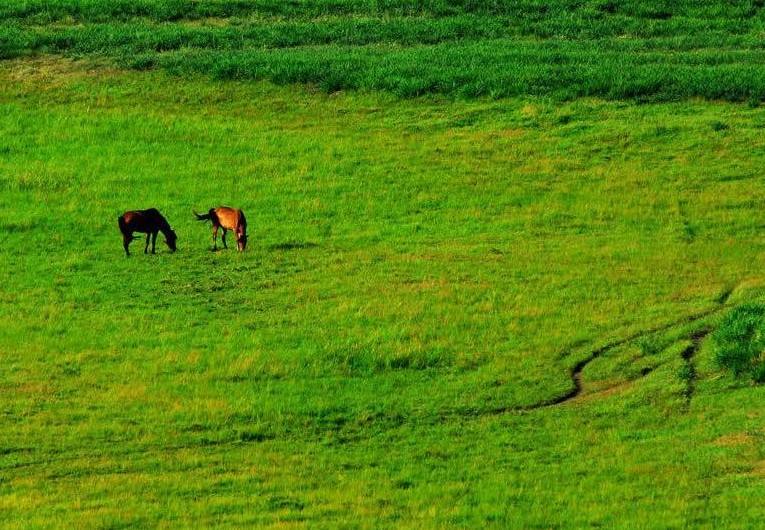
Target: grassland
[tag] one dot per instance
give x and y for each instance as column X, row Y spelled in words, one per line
column 419, row 273
column 489, row 245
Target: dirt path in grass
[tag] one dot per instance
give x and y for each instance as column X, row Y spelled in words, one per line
column 697, row 338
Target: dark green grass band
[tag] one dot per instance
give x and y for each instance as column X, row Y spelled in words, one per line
column 616, row 50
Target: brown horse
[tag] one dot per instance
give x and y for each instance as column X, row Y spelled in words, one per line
column 148, row 222
column 227, row 219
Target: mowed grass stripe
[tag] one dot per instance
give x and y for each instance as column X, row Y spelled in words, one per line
column 562, row 49
column 571, row 12
column 495, row 68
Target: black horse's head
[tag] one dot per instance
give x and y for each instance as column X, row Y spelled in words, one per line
column 170, row 239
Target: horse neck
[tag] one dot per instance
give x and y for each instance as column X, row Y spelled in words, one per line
column 164, row 227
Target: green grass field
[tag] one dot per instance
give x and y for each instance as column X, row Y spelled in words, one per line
column 454, row 311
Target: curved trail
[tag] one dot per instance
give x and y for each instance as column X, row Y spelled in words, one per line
column 696, row 338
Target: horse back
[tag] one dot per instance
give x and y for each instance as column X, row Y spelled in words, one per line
column 230, row 218
column 142, row 221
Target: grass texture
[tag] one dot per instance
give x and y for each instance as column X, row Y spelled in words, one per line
column 421, row 274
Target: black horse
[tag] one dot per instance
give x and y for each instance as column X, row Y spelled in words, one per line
column 148, row 222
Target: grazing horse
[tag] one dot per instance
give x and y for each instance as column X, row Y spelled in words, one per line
column 227, row 219
column 148, row 222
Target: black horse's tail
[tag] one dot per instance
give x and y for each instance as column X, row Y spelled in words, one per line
column 203, row 216
column 124, row 229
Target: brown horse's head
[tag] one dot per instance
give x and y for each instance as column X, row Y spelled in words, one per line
column 170, row 239
column 241, row 242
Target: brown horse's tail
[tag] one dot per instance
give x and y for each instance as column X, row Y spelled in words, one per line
column 203, row 217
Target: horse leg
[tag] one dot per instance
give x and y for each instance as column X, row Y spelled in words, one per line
column 126, row 239
column 215, row 237
column 153, row 242
column 148, row 238
column 223, row 238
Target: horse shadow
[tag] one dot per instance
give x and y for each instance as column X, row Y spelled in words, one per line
column 293, row 245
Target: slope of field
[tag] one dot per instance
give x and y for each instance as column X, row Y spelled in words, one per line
column 564, row 48
column 421, row 275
